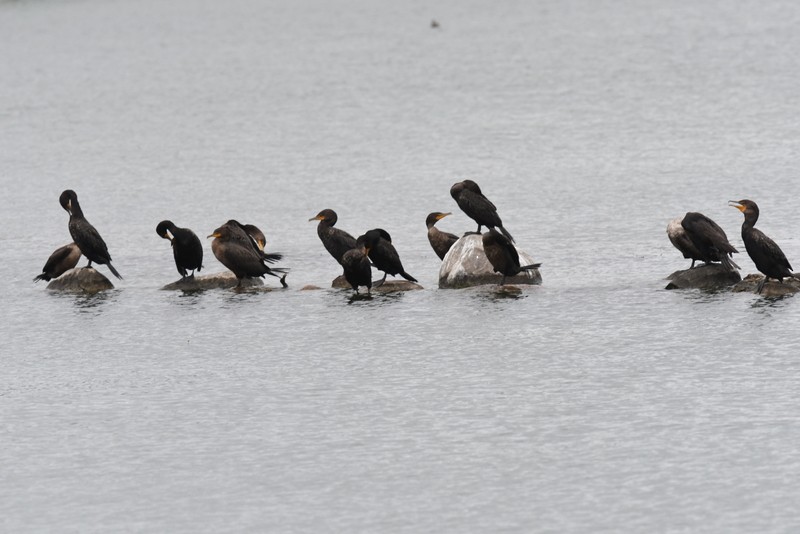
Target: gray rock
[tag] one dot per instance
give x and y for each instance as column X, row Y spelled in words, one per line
column 223, row 280
column 466, row 265
column 81, row 280
column 772, row 288
column 707, row 276
column 389, row 286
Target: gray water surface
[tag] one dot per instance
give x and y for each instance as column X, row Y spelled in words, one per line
column 596, row 402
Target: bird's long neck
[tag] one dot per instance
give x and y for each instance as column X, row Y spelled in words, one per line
column 749, row 221
column 75, row 209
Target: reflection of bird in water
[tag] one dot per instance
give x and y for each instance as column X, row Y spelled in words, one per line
column 60, row 261
column 383, row 254
column 503, row 255
column 84, row 234
column 700, row 238
column 237, row 251
column 356, row 265
column 186, row 247
column 765, row 253
column 336, row 240
column 440, row 241
column 471, row 200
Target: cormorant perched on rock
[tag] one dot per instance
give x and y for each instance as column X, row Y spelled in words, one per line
column 765, row 253
column 237, row 251
column 84, row 234
column 356, row 265
column 440, row 241
column 186, row 247
column 700, row 238
column 336, row 240
column 258, row 240
column 383, row 254
column 60, row 261
column 479, row 208
column 503, row 255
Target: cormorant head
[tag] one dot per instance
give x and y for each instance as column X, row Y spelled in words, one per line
column 257, row 235
column 748, row 207
column 472, row 186
column 327, row 215
column 68, row 199
column 493, row 237
column 163, row 229
column 434, row 217
column 361, row 243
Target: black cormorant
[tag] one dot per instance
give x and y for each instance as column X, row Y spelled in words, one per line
column 336, row 241
column 479, row 208
column 258, row 240
column 84, row 234
column 60, row 261
column 236, row 251
column 356, row 265
column 186, row 247
column 700, row 238
column 440, row 241
column 503, row 255
column 765, row 253
column 383, row 254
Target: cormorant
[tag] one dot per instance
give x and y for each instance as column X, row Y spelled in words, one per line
column 765, row 253
column 440, row 241
column 503, row 255
column 356, row 265
column 186, row 247
column 236, row 251
column 259, row 241
column 336, row 240
column 60, row 261
column 479, row 208
column 383, row 254
column 700, row 238
column 84, row 234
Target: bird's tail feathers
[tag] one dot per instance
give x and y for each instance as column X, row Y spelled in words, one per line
column 272, row 257
column 42, row 277
column 728, row 263
column 407, row 276
column 507, row 234
column 113, row 270
column 531, row 266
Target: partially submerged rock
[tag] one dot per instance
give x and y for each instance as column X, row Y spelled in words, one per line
column 82, row 280
column 466, row 265
column 389, row 286
column 772, row 288
column 223, row 280
column 708, row 276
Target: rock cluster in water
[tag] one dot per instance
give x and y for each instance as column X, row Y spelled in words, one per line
column 708, row 276
column 466, row 265
column 389, row 286
column 81, row 280
column 772, row 288
column 224, row 280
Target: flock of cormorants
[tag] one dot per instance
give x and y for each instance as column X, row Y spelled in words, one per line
column 700, row 238
column 240, row 247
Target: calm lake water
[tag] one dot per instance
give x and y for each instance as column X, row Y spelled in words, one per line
column 596, row 402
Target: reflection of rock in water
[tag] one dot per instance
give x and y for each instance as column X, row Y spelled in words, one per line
column 83, row 280
column 466, row 265
column 389, row 286
column 708, row 276
column 225, row 280
column 772, row 288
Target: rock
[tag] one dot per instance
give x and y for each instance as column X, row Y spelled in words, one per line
column 772, row 288
column 466, row 265
column 707, row 276
column 223, row 280
column 389, row 286
column 81, row 280
column 310, row 287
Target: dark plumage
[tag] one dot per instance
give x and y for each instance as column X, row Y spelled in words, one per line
column 336, row 240
column 470, row 199
column 765, row 253
column 700, row 238
column 84, row 234
column 383, row 254
column 60, row 261
column 258, row 239
column 237, row 251
column 503, row 255
column 440, row 241
column 186, row 247
column 356, row 265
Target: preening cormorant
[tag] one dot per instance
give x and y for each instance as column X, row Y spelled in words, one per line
column 700, row 238
column 336, row 240
column 84, row 234
column 356, row 265
column 258, row 240
column 237, row 251
column 440, row 241
column 765, row 253
column 503, row 255
column 471, row 200
column 383, row 254
column 60, row 261
column 186, row 247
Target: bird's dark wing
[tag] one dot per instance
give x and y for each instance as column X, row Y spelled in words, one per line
column 767, row 248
